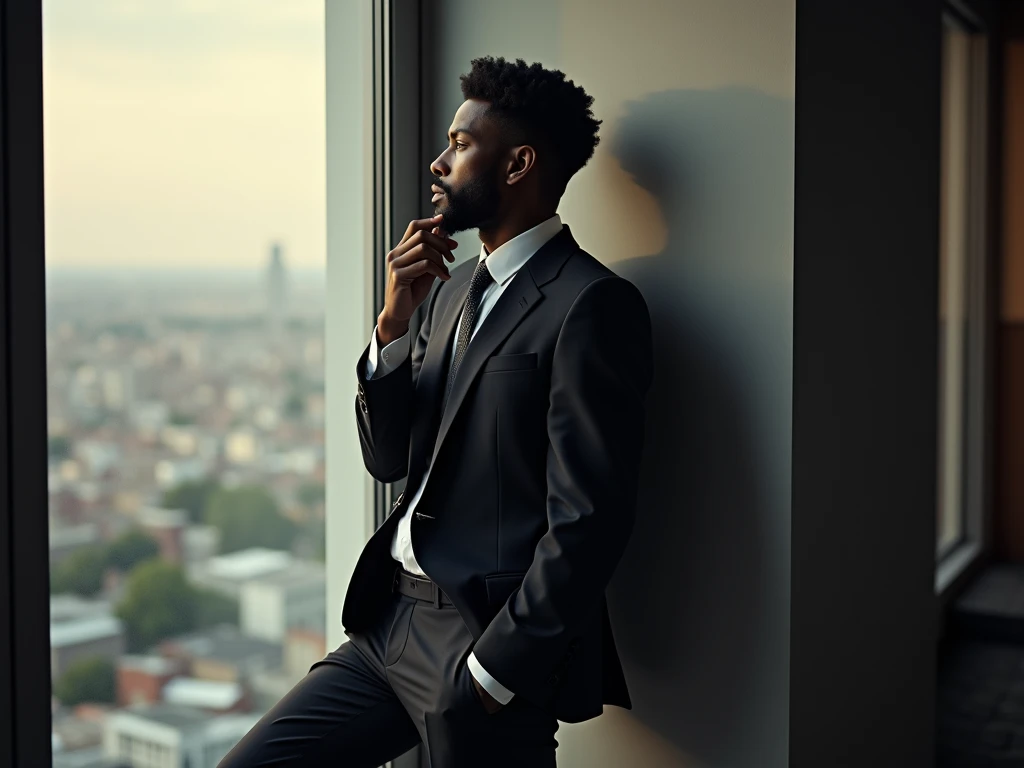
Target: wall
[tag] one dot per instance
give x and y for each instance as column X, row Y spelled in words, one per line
column 1009, row 519
column 865, row 351
column 690, row 196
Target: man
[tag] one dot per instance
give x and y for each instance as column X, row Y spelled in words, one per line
column 476, row 614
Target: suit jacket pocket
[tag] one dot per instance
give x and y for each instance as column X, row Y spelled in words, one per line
column 518, row 362
column 500, row 586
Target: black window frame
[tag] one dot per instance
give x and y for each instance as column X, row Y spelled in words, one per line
column 25, row 685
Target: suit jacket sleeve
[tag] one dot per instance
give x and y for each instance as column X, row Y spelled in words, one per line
column 384, row 406
column 601, row 373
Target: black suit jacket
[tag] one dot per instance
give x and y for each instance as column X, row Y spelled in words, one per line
column 532, row 492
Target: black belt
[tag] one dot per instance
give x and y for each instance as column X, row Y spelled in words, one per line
column 419, row 587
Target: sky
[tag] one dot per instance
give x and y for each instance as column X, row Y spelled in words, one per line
column 183, row 133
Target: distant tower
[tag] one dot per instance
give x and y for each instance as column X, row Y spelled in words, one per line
column 277, row 293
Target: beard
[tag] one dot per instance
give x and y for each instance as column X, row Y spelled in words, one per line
column 473, row 205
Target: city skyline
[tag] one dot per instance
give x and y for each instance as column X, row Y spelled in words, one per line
column 184, row 134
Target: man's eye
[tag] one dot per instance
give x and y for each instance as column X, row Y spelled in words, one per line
column 459, row 145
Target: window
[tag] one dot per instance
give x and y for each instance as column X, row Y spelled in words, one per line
column 186, row 247
column 962, row 301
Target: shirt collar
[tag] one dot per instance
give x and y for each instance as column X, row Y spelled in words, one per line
column 508, row 258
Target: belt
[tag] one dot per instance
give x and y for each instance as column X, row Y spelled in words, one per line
column 420, row 587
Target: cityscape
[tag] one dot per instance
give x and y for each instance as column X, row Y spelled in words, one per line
column 186, row 515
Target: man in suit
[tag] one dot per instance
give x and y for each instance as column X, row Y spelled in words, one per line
column 476, row 613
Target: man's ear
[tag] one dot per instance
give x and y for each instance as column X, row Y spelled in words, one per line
column 520, row 163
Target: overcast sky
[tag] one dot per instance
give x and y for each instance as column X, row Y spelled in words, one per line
column 183, row 132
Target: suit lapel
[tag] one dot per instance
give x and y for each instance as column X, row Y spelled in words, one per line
column 434, row 375
column 515, row 303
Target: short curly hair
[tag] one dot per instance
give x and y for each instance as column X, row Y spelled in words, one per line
column 541, row 105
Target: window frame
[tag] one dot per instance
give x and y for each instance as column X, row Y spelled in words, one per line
column 960, row 560
column 25, row 720
column 368, row 209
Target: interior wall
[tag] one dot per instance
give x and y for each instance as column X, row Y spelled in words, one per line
column 863, row 605
column 1008, row 517
column 689, row 196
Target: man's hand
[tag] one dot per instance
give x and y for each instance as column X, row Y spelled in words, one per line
column 412, row 267
column 491, row 704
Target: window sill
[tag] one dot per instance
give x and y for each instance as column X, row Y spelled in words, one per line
column 952, row 569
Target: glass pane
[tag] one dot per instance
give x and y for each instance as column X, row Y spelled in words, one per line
column 185, row 228
column 953, row 283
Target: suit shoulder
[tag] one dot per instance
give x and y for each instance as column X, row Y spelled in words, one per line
column 583, row 270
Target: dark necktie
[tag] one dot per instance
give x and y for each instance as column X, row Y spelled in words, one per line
column 477, row 285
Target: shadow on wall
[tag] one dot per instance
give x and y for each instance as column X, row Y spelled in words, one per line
column 700, row 602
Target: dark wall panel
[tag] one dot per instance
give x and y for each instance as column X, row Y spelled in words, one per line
column 866, row 243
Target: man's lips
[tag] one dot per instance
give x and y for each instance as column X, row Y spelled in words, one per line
column 438, row 193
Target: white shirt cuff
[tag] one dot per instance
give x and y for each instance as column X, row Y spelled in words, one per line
column 384, row 361
column 500, row 693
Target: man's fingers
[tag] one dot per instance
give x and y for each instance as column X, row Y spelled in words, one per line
column 419, row 252
column 420, row 268
column 423, row 237
column 420, row 224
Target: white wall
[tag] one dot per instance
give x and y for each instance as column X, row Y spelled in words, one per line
column 690, row 196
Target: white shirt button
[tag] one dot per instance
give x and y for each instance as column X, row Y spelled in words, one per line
column 405, row 539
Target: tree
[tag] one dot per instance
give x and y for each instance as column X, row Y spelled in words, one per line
column 130, row 549
column 87, row 679
column 311, row 493
column 179, row 419
column 81, row 572
column 192, row 496
column 213, row 608
column 247, row 516
column 158, row 603
column 295, row 406
column 59, row 447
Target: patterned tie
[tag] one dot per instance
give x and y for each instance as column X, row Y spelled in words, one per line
column 481, row 280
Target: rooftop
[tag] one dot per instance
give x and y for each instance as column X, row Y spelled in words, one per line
column 151, row 665
column 155, row 517
column 83, row 630
column 173, row 715
column 224, row 642
column 248, row 564
column 70, row 606
column 295, row 574
column 204, row 694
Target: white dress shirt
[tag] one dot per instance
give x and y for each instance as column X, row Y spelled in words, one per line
column 503, row 265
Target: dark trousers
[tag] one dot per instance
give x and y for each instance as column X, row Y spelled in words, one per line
column 384, row 691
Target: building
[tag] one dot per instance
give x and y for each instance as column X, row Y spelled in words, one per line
column 277, row 291
column 212, row 696
column 84, row 637
column 302, row 649
column 294, row 597
column 222, row 653
column 172, row 736
column 68, row 539
column 141, row 679
column 167, row 526
column 200, row 542
column 228, row 573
